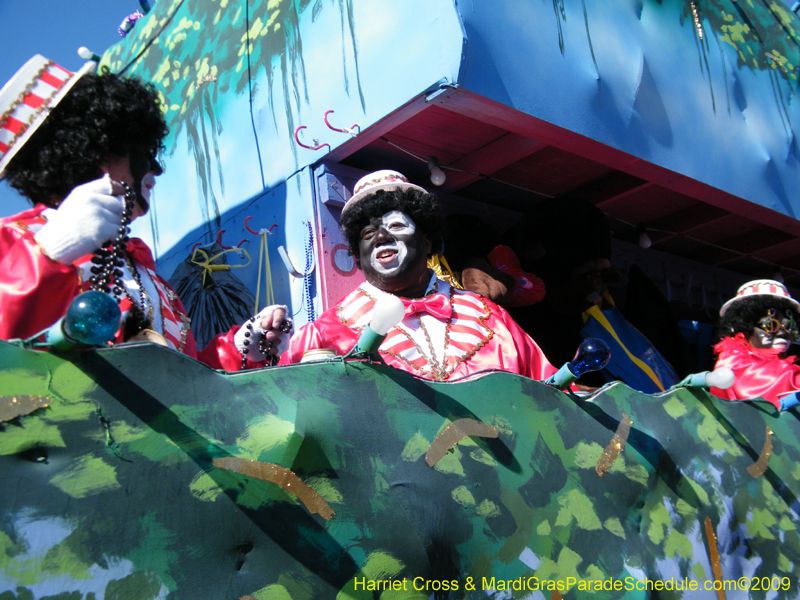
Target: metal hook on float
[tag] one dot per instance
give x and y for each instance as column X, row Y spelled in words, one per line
column 349, row 130
column 316, row 146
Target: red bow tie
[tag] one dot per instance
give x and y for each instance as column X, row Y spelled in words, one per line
column 140, row 253
column 437, row 305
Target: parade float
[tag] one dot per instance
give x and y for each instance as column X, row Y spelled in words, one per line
column 136, row 472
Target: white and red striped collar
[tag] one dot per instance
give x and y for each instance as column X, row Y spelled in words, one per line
column 430, row 347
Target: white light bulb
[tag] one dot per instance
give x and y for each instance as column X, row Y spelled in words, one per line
column 645, row 241
column 721, row 378
column 388, row 312
column 437, row 176
column 85, row 53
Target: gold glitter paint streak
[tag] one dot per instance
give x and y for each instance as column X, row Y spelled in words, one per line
column 454, row 433
column 615, row 446
column 713, row 554
column 279, row 476
column 12, row 407
column 758, row 468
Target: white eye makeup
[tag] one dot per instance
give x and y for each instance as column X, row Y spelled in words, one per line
column 398, row 222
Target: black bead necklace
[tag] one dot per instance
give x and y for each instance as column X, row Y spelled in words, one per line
column 263, row 346
column 108, row 262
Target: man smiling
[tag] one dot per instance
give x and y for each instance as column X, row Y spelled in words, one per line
column 392, row 226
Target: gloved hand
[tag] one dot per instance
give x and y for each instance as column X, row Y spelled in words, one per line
column 480, row 277
column 88, row 217
column 268, row 329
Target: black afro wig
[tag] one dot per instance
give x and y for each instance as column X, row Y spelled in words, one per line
column 103, row 116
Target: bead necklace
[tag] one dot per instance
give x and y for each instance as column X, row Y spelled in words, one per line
column 107, row 272
column 263, row 346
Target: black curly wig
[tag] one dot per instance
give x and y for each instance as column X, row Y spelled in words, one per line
column 423, row 208
column 102, row 117
column 743, row 315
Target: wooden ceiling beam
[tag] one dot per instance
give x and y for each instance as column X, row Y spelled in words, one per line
column 504, row 151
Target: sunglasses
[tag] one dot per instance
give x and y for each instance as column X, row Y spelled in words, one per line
column 772, row 326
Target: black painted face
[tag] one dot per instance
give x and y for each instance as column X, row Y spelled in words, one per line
column 393, row 254
column 144, row 169
column 774, row 331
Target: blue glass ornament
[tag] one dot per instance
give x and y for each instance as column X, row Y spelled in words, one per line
column 92, row 318
column 592, row 355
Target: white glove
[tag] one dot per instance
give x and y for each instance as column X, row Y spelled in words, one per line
column 88, row 217
column 274, row 333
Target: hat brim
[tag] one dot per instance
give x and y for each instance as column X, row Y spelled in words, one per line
column 735, row 299
column 388, row 187
column 42, row 115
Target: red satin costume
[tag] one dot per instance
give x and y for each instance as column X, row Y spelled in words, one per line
column 446, row 335
column 759, row 372
column 35, row 292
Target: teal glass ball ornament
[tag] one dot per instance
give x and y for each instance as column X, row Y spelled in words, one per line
column 92, row 318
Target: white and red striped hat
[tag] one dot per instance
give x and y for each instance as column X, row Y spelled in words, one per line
column 26, row 100
column 379, row 180
column 760, row 287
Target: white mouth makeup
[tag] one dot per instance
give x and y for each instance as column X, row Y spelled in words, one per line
column 148, row 183
column 387, row 258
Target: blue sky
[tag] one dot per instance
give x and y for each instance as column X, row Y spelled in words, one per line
column 55, row 29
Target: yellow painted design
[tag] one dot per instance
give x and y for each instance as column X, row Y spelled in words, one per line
column 675, row 408
column 416, row 447
column 543, row 528
column 451, row 463
column 615, row 527
column 575, row 505
column 86, row 476
column 463, row 496
column 34, row 431
column 272, row 592
column 481, row 456
column 325, row 487
column 487, row 508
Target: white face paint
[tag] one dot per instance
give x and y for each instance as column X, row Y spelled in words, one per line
column 148, row 183
column 387, row 258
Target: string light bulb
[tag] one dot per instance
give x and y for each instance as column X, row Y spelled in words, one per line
column 644, row 239
column 387, row 313
column 778, row 275
column 87, row 54
column 592, row 355
column 437, row 175
column 721, row 378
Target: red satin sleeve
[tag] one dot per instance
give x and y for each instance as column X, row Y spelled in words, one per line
column 758, row 372
column 35, row 290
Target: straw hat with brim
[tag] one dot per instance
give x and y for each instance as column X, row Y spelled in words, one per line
column 26, row 100
column 760, row 287
column 387, row 180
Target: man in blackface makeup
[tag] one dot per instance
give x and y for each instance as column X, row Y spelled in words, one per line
column 392, row 227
